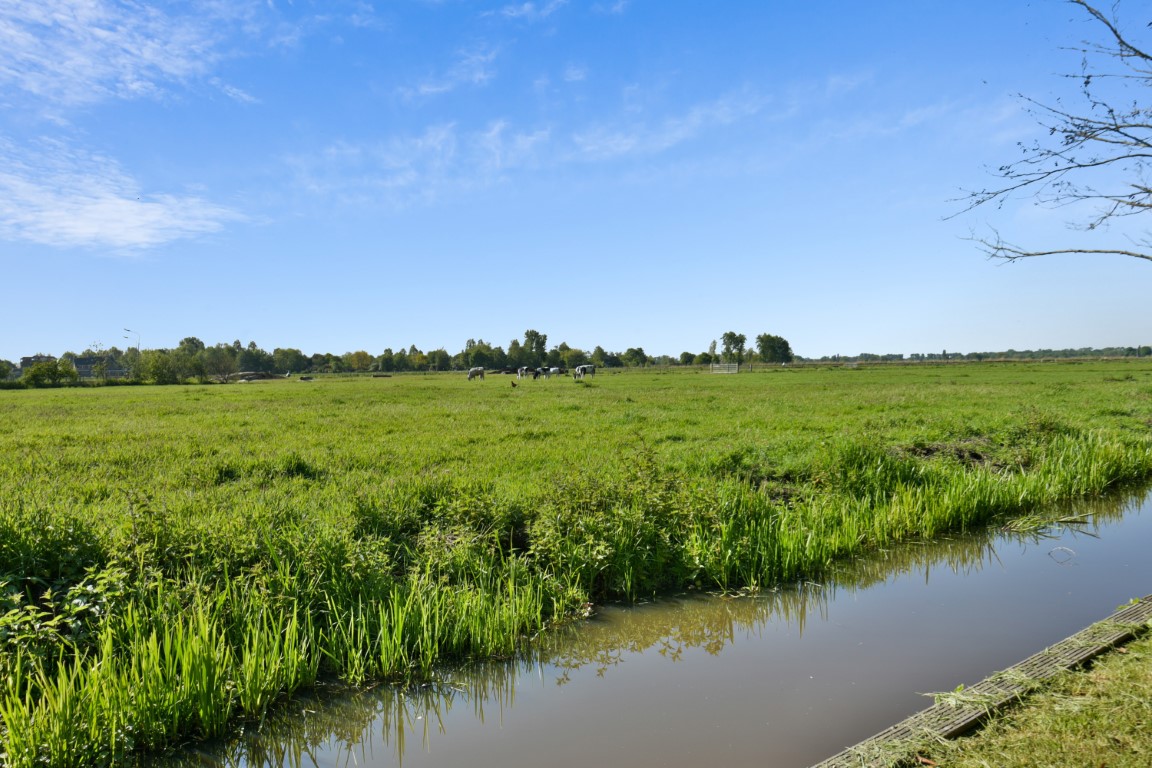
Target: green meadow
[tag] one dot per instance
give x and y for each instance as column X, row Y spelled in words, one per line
column 175, row 560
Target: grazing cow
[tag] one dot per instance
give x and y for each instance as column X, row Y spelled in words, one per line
column 584, row 370
column 554, row 372
column 475, row 372
column 523, row 372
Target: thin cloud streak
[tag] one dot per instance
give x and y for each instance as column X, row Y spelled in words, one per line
column 73, row 53
column 402, row 170
column 530, row 11
column 607, row 142
column 473, row 67
column 66, row 198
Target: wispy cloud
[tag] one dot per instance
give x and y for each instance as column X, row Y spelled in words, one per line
column 574, row 73
column 472, row 67
column 233, row 92
column 530, row 11
column 74, row 52
column 420, row 168
column 504, row 148
column 394, row 170
column 446, row 158
column 606, row 142
column 611, row 7
column 63, row 197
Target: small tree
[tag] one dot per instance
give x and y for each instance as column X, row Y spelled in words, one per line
column 357, row 361
column 161, row 366
column 50, row 373
column 773, row 349
column 219, row 362
column 535, row 347
column 289, row 361
column 634, row 357
column 734, row 346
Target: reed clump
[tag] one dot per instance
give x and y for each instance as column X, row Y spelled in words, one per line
column 174, row 561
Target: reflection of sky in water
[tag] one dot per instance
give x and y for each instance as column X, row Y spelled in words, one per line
column 786, row 678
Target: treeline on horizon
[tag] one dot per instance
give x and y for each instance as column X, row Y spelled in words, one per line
column 192, row 359
column 1011, row 354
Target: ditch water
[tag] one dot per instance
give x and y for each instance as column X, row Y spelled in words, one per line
column 785, row 678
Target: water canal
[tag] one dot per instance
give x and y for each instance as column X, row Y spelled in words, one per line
column 785, row 678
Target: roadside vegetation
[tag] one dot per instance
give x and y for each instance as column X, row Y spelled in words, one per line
column 173, row 561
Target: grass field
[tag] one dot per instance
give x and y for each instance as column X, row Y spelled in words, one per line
column 175, row 559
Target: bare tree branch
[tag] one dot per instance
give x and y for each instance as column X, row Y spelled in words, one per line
column 1104, row 143
column 997, row 248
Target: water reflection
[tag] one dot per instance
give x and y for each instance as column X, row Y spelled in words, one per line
column 387, row 725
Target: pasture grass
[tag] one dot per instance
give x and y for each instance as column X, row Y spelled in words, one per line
column 177, row 559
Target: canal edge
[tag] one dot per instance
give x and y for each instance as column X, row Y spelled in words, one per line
column 958, row 712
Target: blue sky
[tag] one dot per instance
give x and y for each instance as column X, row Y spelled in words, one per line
column 337, row 176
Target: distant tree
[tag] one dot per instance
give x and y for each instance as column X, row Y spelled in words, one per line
column 612, row 360
column 160, row 366
column 191, row 346
column 599, row 357
column 439, row 360
column 704, row 358
column 6, row 368
column 400, row 361
column 50, row 373
column 358, row 361
column 516, row 355
column 773, row 349
column 570, row 357
column 536, row 345
column 477, row 354
column 252, row 358
column 218, row 362
column 130, row 362
column 386, row 362
column 686, row 358
column 712, row 350
column 733, row 346
column 634, row 356
column 289, row 361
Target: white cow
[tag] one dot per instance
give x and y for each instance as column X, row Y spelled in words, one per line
column 474, row 372
column 584, row 370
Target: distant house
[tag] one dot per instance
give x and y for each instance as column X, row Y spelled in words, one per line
column 98, row 367
column 28, row 362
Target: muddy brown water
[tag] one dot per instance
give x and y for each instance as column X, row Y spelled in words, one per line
column 785, row 678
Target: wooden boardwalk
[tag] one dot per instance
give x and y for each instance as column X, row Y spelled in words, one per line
column 960, row 711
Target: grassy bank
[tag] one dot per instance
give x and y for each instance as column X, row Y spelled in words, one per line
column 1093, row 717
column 174, row 560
